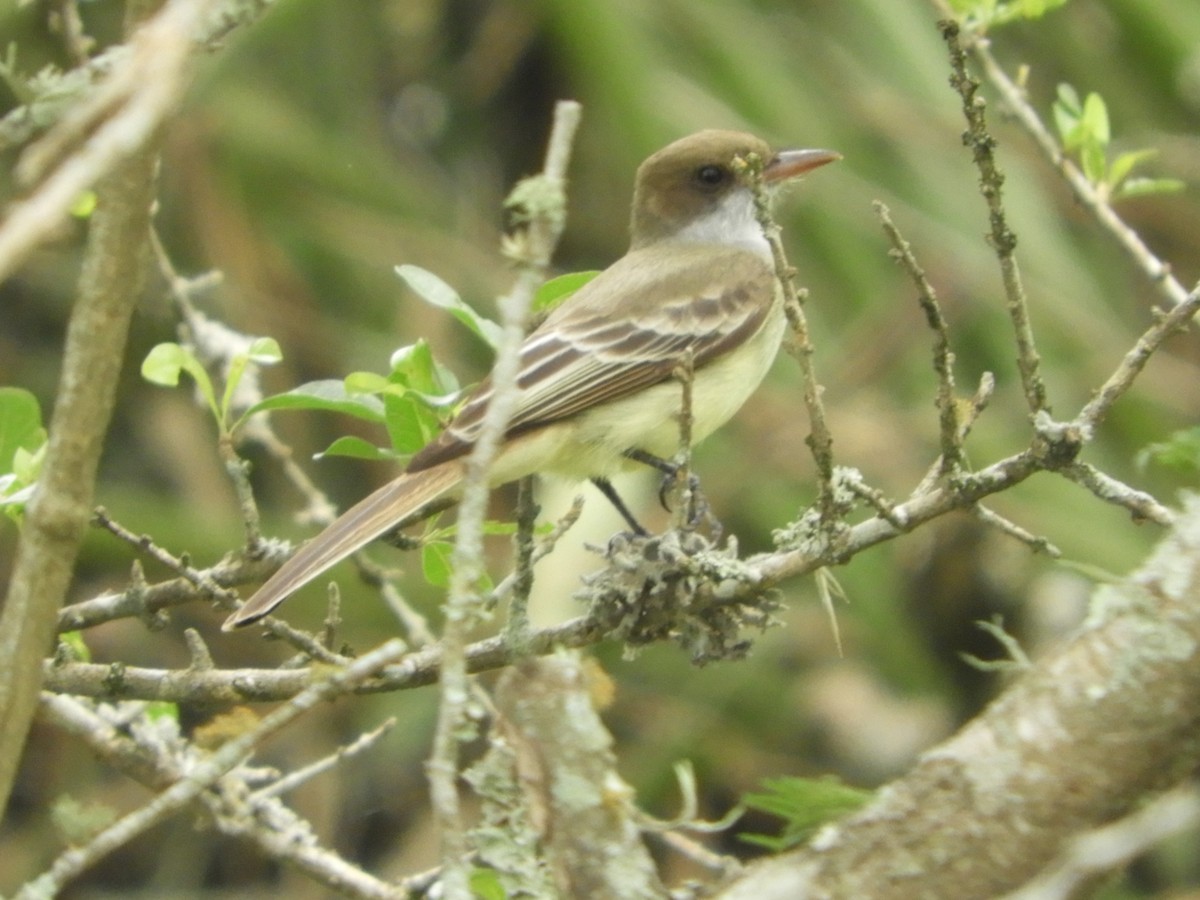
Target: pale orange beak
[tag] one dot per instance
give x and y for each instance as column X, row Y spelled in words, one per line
column 790, row 163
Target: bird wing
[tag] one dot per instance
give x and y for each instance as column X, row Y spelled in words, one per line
column 607, row 342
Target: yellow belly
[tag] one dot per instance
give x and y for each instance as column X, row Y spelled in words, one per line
column 595, row 441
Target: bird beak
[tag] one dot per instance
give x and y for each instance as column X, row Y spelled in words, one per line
column 790, row 163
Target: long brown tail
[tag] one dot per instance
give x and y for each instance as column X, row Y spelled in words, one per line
column 359, row 525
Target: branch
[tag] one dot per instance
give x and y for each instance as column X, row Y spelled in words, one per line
column 820, row 440
column 952, row 432
column 56, row 94
column 207, row 771
column 554, row 738
column 233, row 807
column 1106, row 849
column 149, row 601
column 1135, row 360
column 545, row 225
column 120, row 117
column 1078, row 740
column 223, row 686
column 109, row 284
column 1001, row 237
column 1157, row 272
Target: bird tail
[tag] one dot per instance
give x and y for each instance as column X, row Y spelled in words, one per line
column 362, row 523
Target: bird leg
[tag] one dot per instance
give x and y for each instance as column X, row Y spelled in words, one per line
column 605, row 487
column 699, row 505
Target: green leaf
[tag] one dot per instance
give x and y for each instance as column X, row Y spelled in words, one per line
column 1095, row 119
column 365, row 383
column 264, row 351
column 328, row 394
column 485, row 885
column 804, row 804
column 27, row 465
column 84, row 205
column 164, row 363
column 1091, row 155
column 436, row 292
column 1181, row 452
column 415, row 398
column 1125, row 163
column 1035, row 9
column 1142, row 187
column 435, row 562
column 411, row 424
column 20, row 424
column 556, row 290
column 1068, row 99
column 414, row 368
column 75, row 643
column 1067, row 113
column 356, row 448
column 161, row 709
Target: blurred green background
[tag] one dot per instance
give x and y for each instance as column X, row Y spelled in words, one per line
column 330, row 142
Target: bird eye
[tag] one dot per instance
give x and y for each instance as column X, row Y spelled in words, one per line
column 710, row 176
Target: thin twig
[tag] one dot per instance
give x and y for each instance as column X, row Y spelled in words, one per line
column 1143, row 506
column 819, row 440
column 685, row 498
column 73, row 88
column 517, row 627
column 66, row 20
column 1001, row 237
column 418, row 668
column 1110, row 847
column 1156, row 272
column 238, row 471
column 540, row 552
column 1034, row 542
column 875, row 498
column 463, row 602
column 179, row 565
column 206, row 772
column 951, row 430
column 1137, row 357
column 293, row 780
column 120, row 116
column 125, row 743
column 967, row 419
column 121, row 163
column 145, row 601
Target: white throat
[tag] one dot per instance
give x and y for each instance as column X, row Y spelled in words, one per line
column 732, row 224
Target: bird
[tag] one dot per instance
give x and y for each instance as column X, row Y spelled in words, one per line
column 596, row 391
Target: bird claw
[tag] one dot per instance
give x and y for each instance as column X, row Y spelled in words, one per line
column 698, row 509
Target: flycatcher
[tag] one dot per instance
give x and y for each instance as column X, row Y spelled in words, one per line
column 595, row 386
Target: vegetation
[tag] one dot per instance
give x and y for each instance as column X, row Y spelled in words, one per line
column 329, row 184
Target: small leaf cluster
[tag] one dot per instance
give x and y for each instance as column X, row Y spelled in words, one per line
column 411, row 402
column 22, row 449
column 1084, row 128
column 166, row 362
column 1180, row 452
column 804, row 804
column 984, row 14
